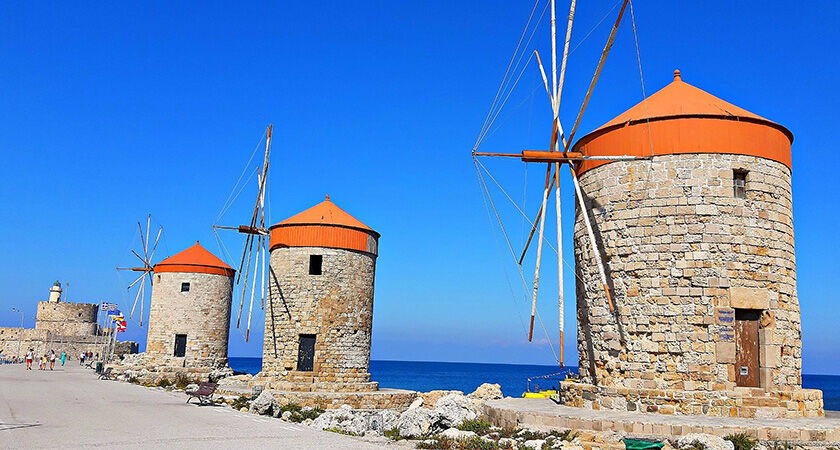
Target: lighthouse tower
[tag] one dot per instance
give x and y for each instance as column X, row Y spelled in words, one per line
column 189, row 316
column 319, row 311
column 55, row 293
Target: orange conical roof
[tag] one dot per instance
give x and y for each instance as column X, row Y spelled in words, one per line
column 325, row 225
column 325, row 213
column 195, row 259
column 678, row 99
column 681, row 118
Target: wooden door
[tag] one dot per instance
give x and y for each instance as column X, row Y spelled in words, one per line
column 180, row 345
column 306, row 352
column 746, row 347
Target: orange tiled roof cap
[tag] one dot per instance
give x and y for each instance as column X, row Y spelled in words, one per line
column 325, row 225
column 681, row 118
column 195, row 259
column 325, row 213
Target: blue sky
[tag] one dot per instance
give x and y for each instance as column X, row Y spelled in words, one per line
column 112, row 111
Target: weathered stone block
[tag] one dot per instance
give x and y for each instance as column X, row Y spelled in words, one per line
column 769, row 355
column 725, row 352
column 750, row 298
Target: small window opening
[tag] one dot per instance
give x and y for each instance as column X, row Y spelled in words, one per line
column 185, row 287
column 739, row 181
column 315, row 263
column 180, row 345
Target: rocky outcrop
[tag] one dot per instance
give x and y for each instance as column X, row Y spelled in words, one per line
column 535, row 444
column 265, row 404
column 357, row 422
column 454, row 409
column 219, row 373
column 456, row 434
column 418, row 422
column 486, row 392
column 708, row 441
column 342, row 419
column 431, row 397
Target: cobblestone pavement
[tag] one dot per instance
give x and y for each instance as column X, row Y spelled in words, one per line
column 71, row 408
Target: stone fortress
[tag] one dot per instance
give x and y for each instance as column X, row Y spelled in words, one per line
column 189, row 318
column 698, row 247
column 61, row 326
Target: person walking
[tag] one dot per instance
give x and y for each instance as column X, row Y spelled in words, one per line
column 52, row 359
column 82, row 358
column 43, row 362
column 29, row 355
column 63, row 358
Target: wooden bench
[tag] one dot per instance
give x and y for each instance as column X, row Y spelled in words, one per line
column 204, row 393
column 106, row 374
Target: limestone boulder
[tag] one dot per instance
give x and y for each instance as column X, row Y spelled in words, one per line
column 454, row 409
column 417, row 422
column 418, row 402
column 344, row 419
column 486, row 392
column 219, row 373
column 535, row 444
column 709, row 442
column 431, row 397
column 382, row 420
column 456, row 434
column 508, row 443
column 264, row 404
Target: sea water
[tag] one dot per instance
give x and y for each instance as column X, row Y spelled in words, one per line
column 513, row 378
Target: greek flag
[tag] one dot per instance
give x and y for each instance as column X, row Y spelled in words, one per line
column 109, row 306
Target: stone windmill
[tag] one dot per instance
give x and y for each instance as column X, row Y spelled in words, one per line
column 145, row 269
column 256, row 238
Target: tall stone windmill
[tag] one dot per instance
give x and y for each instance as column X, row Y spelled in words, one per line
column 145, row 269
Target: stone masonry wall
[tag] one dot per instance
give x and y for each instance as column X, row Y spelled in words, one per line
column 42, row 341
column 680, row 252
column 202, row 313
column 67, row 318
column 336, row 306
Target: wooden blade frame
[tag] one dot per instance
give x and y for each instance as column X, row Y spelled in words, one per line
column 257, row 223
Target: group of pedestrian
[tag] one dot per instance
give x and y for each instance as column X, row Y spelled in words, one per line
column 47, row 358
column 85, row 356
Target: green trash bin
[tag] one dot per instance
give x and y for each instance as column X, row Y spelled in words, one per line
column 642, row 444
column 99, row 367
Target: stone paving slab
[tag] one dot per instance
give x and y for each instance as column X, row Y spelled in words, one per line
column 545, row 414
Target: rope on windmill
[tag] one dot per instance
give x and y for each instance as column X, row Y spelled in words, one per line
column 521, row 272
column 230, row 200
column 505, row 80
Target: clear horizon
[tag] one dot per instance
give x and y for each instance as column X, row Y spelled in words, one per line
column 112, row 112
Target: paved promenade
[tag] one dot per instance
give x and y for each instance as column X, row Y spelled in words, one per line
column 71, row 408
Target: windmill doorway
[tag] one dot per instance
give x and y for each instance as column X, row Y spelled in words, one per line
column 746, row 347
column 306, row 353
